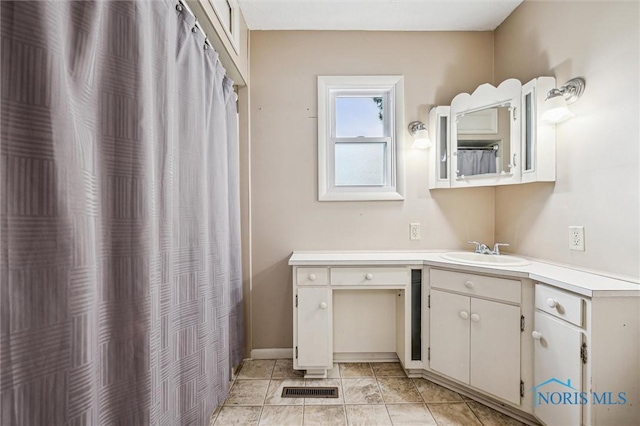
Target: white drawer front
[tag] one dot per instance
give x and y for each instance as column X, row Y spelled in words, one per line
column 477, row 285
column 560, row 304
column 370, row 276
column 312, row 276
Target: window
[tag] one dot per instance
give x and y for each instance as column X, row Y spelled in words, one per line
column 359, row 128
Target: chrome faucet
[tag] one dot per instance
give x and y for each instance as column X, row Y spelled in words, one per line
column 480, row 248
column 496, row 247
column 484, row 249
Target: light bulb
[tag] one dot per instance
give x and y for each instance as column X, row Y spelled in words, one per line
column 421, row 140
column 556, row 110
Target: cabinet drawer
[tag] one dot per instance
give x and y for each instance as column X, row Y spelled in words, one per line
column 370, row 276
column 477, row 285
column 560, row 304
column 312, row 276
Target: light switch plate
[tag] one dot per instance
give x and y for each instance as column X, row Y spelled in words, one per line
column 414, row 231
column 576, row 238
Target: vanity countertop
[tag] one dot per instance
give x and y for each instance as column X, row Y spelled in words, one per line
column 586, row 283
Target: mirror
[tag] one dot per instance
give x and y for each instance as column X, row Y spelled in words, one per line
column 483, row 141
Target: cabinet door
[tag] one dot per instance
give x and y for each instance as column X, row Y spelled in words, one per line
column 440, row 153
column 557, row 367
column 495, row 349
column 314, row 326
column 538, row 138
column 449, row 334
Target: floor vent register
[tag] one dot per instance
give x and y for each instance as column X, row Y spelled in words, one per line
column 310, row 392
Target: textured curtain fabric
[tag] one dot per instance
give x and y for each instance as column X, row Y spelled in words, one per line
column 120, row 240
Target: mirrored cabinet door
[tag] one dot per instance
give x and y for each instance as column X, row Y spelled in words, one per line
column 484, row 142
column 485, row 136
column 538, row 138
column 441, row 150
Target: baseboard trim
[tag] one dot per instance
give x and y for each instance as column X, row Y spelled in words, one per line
column 272, row 353
column 287, row 353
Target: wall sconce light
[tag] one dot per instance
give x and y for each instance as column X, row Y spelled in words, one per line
column 555, row 106
column 420, row 135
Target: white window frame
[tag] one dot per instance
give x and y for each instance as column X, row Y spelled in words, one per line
column 328, row 88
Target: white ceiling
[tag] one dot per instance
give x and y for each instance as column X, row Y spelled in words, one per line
column 386, row 15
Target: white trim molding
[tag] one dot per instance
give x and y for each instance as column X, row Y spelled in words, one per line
column 232, row 31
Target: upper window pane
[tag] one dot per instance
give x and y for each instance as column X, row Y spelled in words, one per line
column 360, row 116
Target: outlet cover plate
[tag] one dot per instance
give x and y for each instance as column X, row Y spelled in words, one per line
column 414, row 231
column 576, row 238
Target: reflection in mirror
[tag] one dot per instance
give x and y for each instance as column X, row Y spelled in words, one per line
column 443, row 147
column 528, row 132
column 483, row 142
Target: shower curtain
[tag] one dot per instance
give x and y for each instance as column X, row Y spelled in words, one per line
column 120, row 240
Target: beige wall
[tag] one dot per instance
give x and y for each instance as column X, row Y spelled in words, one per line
column 598, row 167
column 285, row 213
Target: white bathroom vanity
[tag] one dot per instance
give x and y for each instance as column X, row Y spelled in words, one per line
column 516, row 338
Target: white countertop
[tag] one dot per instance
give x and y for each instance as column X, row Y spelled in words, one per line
column 586, row 283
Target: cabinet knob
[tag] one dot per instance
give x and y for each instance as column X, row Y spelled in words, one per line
column 323, row 305
column 468, row 285
column 369, row 277
column 536, row 335
column 464, row 315
column 312, row 277
column 552, row 303
column 475, row 317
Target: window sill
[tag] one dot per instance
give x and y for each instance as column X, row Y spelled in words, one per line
column 361, row 196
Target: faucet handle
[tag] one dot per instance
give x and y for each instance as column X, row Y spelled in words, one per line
column 477, row 250
column 496, row 247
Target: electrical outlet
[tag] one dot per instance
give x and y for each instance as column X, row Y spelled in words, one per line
column 576, row 238
column 414, row 231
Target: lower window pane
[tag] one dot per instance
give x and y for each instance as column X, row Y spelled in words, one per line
column 360, row 164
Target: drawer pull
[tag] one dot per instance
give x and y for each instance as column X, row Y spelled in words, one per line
column 475, row 317
column 468, row 285
column 369, row 277
column 551, row 302
column 536, row 335
column 323, row 305
column 312, row 277
column 464, row 315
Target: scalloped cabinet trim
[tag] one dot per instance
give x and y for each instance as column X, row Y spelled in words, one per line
column 487, row 95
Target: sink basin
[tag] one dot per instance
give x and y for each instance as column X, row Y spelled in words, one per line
column 485, row 259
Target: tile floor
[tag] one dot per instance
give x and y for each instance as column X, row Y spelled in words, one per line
column 369, row 394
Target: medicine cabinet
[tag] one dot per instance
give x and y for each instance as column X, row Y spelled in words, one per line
column 493, row 137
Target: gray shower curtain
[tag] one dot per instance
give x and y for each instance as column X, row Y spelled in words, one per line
column 476, row 162
column 120, row 298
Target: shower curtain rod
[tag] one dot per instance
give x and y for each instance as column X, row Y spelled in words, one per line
column 185, row 6
column 481, row 148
